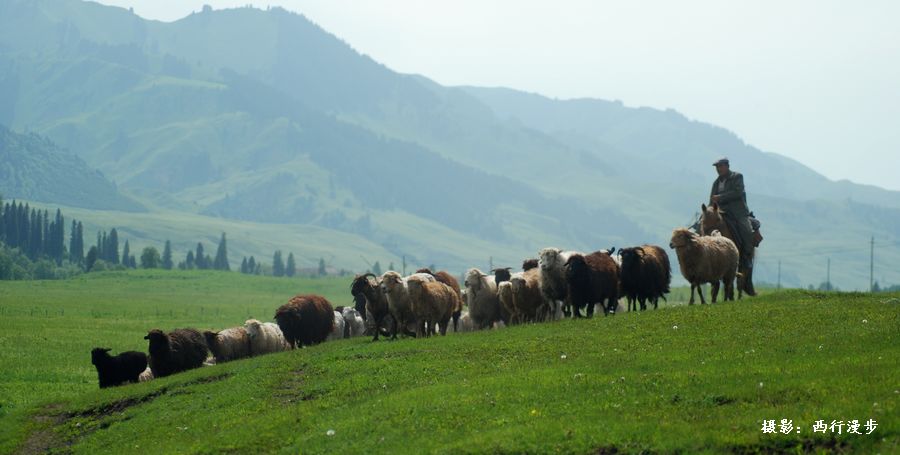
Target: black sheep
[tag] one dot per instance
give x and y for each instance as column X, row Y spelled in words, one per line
column 646, row 275
column 113, row 371
column 180, row 350
column 592, row 278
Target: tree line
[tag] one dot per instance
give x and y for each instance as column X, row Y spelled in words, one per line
column 33, row 245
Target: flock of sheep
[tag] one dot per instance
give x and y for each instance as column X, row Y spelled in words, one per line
column 557, row 284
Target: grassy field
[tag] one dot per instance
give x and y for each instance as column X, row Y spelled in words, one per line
column 680, row 379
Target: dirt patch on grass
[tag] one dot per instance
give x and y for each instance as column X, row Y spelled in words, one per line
column 56, row 430
column 292, row 390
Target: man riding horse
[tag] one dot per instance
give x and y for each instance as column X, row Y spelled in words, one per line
column 730, row 200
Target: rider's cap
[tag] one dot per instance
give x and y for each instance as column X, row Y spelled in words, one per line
column 722, row 160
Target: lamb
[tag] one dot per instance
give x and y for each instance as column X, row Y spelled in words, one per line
column 505, row 296
column 592, row 278
column 451, row 281
column 229, row 344
column 482, row 299
column 433, row 304
column 113, row 371
column 396, row 289
column 265, row 337
column 646, row 275
column 306, row 320
column 465, row 323
column 354, row 324
column 706, row 259
column 179, row 350
column 368, row 287
column 526, row 292
column 337, row 331
column 554, row 287
column 146, row 375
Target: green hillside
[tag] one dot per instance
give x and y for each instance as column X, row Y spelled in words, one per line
column 34, row 168
column 261, row 116
column 679, row 379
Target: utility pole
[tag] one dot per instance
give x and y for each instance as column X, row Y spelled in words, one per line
column 491, row 262
column 872, row 265
column 828, row 276
column 404, row 265
column 779, row 274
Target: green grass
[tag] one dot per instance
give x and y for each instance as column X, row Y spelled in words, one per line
column 630, row 383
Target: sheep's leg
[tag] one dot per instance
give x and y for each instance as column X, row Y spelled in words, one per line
column 714, row 290
column 656, row 303
column 643, row 302
column 693, row 286
column 700, row 291
column 612, row 305
column 590, row 308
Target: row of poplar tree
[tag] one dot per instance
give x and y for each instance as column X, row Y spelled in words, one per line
column 40, row 236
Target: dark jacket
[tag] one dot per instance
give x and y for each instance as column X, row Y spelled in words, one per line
column 733, row 200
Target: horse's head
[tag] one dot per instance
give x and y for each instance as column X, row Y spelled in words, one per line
column 710, row 218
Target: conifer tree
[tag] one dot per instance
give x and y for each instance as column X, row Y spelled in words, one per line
column 251, row 265
column 200, row 257
column 113, row 250
column 167, row 256
column 277, row 264
column 189, row 260
column 244, row 265
column 221, row 261
column 291, row 267
column 126, row 254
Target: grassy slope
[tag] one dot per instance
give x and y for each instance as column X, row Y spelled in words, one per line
column 631, row 382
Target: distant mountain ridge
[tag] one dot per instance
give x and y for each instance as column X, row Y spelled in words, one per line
column 263, row 116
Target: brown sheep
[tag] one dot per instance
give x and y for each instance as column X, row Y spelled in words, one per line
column 526, row 293
column 179, row 350
column 706, row 259
column 451, row 281
column 396, row 289
column 368, row 287
column 529, row 264
column 592, row 278
column 433, row 303
column 646, row 275
column 305, row 320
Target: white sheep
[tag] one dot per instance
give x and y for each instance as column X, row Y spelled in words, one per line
column 338, row 331
column 228, row 344
column 354, row 325
column 554, row 288
column 265, row 337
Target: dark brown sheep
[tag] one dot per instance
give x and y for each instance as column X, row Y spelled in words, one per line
column 179, row 350
column 368, row 288
column 646, row 275
column 529, row 264
column 305, row 320
column 592, row 278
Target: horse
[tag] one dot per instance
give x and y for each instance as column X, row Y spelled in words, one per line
column 712, row 219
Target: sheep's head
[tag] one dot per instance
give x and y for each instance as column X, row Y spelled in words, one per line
column 501, row 274
column 425, row 270
column 529, row 264
column 390, row 281
column 681, row 238
column 549, row 258
column 474, row 278
column 98, row 354
column 252, row 328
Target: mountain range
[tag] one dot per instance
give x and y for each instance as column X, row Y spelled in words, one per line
column 260, row 118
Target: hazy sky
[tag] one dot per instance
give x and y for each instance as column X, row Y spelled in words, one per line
column 818, row 81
